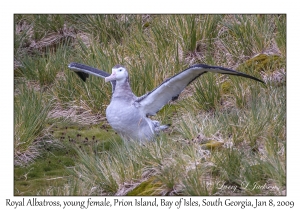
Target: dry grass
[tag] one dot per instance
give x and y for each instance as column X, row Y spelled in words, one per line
column 224, row 129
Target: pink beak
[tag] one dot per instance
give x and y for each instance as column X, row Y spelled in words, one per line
column 111, row 77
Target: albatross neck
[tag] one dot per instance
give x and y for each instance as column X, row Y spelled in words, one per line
column 123, row 89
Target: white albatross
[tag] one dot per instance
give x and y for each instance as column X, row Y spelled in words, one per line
column 128, row 114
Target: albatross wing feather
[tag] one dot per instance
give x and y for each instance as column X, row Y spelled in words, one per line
column 172, row 87
column 83, row 72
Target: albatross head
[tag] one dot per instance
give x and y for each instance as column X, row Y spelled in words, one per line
column 119, row 73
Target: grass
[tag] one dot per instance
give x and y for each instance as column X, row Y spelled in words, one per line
column 30, row 119
column 227, row 134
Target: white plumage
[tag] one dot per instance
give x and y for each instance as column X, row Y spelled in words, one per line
column 128, row 114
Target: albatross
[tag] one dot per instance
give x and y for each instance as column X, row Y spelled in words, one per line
column 128, row 114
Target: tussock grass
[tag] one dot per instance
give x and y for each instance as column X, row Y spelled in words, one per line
column 228, row 134
column 43, row 69
column 30, row 119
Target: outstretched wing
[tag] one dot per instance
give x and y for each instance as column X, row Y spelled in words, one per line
column 171, row 88
column 83, row 72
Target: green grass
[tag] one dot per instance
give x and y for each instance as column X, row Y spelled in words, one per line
column 30, row 119
column 227, row 137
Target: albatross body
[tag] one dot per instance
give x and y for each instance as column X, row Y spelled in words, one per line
column 122, row 113
column 128, row 114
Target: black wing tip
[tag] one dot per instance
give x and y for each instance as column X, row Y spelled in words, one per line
column 78, row 66
column 249, row 77
column 82, row 75
column 200, row 65
column 72, row 65
column 256, row 79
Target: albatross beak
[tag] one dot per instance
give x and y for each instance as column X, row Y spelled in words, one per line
column 111, row 77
